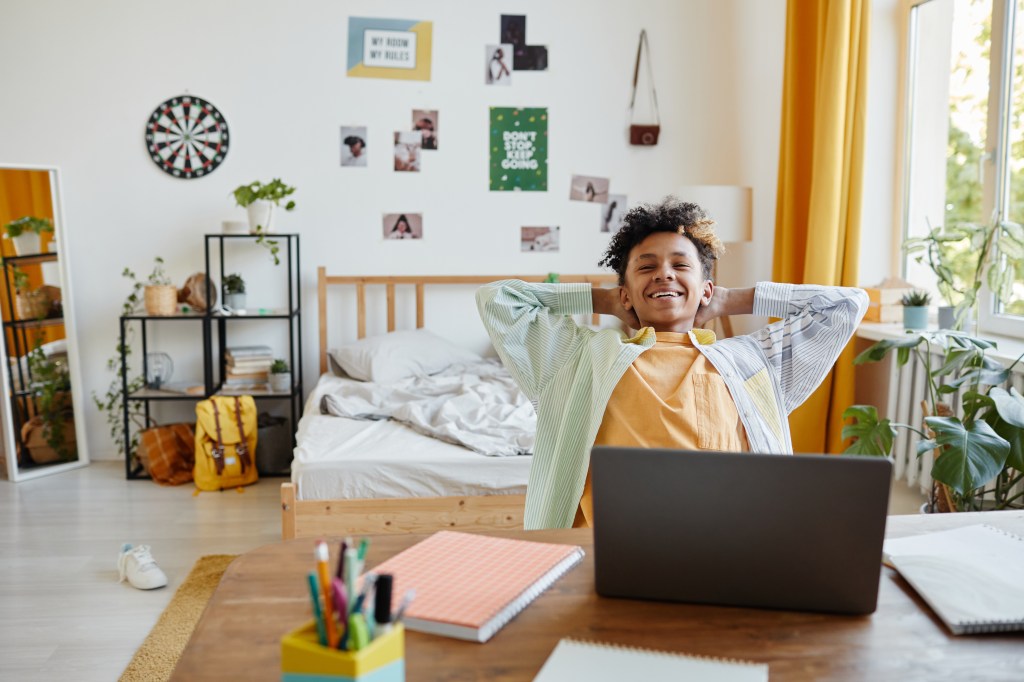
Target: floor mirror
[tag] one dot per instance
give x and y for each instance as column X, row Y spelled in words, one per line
column 41, row 378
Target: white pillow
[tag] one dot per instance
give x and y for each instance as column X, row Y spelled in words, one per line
column 400, row 355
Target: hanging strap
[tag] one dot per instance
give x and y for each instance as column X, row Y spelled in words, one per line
column 242, row 449
column 641, row 48
column 217, row 451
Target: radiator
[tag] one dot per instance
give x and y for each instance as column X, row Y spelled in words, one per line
column 907, row 388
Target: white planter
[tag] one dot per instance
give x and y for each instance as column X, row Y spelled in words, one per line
column 261, row 216
column 26, row 244
column 235, row 301
column 281, row 383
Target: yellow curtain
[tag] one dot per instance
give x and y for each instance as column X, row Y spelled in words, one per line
column 817, row 221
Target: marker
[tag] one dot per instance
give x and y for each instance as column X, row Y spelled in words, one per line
column 359, row 636
column 363, row 546
column 351, row 572
column 340, row 573
column 325, row 584
column 340, row 599
column 318, row 615
column 382, row 604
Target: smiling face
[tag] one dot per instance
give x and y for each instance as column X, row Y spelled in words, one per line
column 664, row 282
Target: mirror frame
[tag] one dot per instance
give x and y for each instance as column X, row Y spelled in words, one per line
column 14, row 473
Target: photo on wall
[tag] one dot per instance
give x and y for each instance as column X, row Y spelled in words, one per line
column 589, row 188
column 519, row 150
column 537, row 239
column 353, row 146
column 389, row 48
column 524, row 57
column 426, row 121
column 499, row 65
column 613, row 213
column 407, row 150
column 403, row 226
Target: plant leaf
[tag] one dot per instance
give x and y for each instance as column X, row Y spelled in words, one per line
column 969, row 457
column 1009, row 404
column 873, row 437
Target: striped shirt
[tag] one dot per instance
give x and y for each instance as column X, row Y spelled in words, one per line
column 569, row 371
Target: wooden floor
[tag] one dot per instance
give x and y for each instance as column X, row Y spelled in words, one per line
column 63, row 614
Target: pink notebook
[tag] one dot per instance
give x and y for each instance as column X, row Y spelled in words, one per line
column 468, row 586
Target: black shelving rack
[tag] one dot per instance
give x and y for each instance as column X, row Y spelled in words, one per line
column 215, row 320
column 16, row 335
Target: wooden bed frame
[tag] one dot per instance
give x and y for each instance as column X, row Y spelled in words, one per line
column 306, row 518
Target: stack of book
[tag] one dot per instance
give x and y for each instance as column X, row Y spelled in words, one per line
column 248, row 368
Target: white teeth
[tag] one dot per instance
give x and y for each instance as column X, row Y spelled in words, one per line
column 663, row 294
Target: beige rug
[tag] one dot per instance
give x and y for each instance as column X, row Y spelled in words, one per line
column 156, row 658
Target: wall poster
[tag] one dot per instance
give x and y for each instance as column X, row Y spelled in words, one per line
column 519, row 149
column 389, row 48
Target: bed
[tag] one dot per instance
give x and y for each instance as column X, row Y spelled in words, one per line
column 353, row 476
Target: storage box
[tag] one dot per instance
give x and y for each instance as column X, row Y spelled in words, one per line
column 303, row 659
column 885, row 305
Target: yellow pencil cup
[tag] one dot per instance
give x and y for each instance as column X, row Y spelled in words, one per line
column 304, row 659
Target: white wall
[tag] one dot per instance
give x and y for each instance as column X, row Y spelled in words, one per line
column 79, row 79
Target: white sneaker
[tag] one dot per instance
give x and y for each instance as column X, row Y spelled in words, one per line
column 137, row 565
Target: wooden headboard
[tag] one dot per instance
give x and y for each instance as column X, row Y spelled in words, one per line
column 420, row 282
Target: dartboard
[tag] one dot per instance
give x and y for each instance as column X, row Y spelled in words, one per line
column 187, row 137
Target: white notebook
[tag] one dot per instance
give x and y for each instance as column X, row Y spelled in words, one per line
column 594, row 662
column 972, row 577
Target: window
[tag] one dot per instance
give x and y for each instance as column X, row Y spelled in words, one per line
column 964, row 154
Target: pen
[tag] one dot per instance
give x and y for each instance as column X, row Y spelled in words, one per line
column 318, row 616
column 340, row 573
column 403, row 605
column 363, row 546
column 325, row 584
column 340, row 600
column 382, row 604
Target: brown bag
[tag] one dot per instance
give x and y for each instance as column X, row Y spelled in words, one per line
column 167, row 453
column 639, row 134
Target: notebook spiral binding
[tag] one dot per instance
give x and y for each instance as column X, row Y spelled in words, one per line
column 660, row 652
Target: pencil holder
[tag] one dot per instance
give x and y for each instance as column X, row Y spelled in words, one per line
column 304, row 659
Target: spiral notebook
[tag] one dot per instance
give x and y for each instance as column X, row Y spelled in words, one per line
column 469, row 586
column 594, row 662
column 970, row 576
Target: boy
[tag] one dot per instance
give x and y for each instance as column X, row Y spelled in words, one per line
column 672, row 385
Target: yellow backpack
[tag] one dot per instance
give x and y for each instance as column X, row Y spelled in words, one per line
column 225, row 442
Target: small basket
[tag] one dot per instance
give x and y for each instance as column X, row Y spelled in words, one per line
column 32, row 305
column 161, row 299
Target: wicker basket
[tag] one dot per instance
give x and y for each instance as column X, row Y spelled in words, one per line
column 32, row 305
column 161, row 299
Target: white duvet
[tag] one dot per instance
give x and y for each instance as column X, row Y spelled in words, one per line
column 476, row 405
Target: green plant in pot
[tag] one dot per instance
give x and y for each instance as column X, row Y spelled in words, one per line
column 51, row 391
column 915, row 309
column 29, row 304
column 234, row 291
column 966, row 256
column 260, row 199
column 978, row 443
column 25, row 233
column 280, row 376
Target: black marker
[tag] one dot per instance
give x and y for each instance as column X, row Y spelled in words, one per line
column 382, row 605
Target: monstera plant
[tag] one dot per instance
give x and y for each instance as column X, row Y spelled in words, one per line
column 979, row 445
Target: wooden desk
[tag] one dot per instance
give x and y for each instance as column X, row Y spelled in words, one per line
column 264, row 594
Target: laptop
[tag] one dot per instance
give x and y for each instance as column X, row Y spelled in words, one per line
column 800, row 532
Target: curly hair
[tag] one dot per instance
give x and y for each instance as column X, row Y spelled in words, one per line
column 671, row 215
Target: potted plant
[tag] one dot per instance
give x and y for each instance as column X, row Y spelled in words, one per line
column 25, row 232
column 965, row 256
column 29, row 304
column 259, row 199
column 160, row 297
column 234, row 291
column 51, row 391
column 979, row 444
column 915, row 309
column 280, row 376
